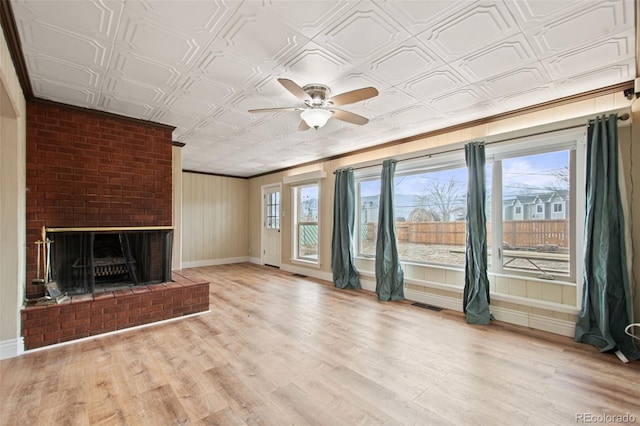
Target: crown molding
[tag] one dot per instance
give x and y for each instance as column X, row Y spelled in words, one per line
column 8, row 22
column 102, row 114
column 214, row 174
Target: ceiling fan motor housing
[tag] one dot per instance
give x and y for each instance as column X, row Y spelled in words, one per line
column 319, row 93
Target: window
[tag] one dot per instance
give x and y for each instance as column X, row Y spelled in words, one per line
column 273, row 210
column 539, row 245
column 368, row 200
column 532, row 228
column 430, row 208
column 306, row 224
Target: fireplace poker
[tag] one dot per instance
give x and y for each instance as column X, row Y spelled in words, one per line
column 43, row 239
column 51, row 287
column 47, row 274
column 38, row 271
column 51, row 293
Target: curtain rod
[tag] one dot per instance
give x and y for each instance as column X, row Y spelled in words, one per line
column 623, row 117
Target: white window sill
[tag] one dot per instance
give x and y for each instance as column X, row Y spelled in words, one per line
column 533, row 278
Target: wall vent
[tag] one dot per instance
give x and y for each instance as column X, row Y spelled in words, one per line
column 426, row 306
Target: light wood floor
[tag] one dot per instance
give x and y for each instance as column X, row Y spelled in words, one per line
column 278, row 349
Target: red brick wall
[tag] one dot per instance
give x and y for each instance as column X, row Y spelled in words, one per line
column 87, row 170
column 89, row 315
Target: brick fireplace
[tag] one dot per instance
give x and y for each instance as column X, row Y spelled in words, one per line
column 97, row 171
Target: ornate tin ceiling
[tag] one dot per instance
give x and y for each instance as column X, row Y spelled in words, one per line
column 200, row 65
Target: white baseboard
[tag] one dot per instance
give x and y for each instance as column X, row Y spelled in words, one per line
column 255, row 260
column 422, row 297
column 310, row 272
column 214, row 262
column 538, row 322
column 525, row 319
column 553, row 325
column 445, row 302
column 11, row 348
column 367, row 285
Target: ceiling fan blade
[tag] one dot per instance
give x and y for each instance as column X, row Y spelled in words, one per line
column 303, row 126
column 275, row 109
column 354, row 96
column 296, row 90
column 349, row 117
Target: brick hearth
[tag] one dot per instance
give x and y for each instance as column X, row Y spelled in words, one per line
column 89, row 170
column 93, row 314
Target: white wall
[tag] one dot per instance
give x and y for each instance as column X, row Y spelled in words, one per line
column 176, row 252
column 12, row 204
column 214, row 220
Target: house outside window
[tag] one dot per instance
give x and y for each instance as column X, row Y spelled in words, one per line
column 369, row 202
column 536, row 244
column 530, row 187
column 430, row 209
column 306, row 212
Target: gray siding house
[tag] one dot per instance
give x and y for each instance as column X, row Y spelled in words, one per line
column 551, row 205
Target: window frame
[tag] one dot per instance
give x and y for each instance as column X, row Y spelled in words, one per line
column 295, row 208
column 438, row 164
column 572, row 140
column 359, row 179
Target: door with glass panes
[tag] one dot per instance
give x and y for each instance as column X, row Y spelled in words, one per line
column 271, row 226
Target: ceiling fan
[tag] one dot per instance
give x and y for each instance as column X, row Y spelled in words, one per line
column 319, row 107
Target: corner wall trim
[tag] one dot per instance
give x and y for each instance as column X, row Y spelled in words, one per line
column 8, row 23
column 11, row 348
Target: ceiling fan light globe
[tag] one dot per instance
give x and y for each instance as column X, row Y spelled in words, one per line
column 315, row 117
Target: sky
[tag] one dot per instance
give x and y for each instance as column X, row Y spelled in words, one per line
column 533, row 173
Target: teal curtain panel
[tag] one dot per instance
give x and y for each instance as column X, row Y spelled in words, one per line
column 606, row 297
column 343, row 266
column 389, row 273
column 476, row 282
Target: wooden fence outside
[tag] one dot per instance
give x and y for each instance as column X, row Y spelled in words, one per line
column 515, row 233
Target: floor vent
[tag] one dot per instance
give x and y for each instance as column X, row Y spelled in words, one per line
column 424, row 305
column 299, row 275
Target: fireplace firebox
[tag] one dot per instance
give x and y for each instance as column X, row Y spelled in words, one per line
column 93, row 260
column 114, row 278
